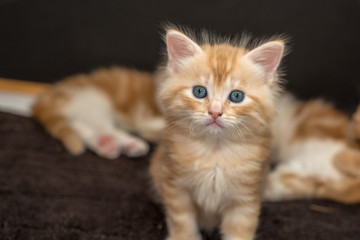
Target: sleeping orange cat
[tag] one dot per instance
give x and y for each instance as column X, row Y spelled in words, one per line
column 211, row 108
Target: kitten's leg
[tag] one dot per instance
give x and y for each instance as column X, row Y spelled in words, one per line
column 286, row 185
column 151, row 128
column 240, row 221
column 100, row 140
column 107, row 141
column 180, row 215
column 132, row 146
column 347, row 161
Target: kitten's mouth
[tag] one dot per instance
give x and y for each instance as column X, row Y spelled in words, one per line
column 214, row 124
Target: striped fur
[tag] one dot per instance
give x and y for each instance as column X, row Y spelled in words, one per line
column 211, row 175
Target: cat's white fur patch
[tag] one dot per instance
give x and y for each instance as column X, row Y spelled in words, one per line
column 211, row 187
column 89, row 105
column 313, row 158
column 283, row 127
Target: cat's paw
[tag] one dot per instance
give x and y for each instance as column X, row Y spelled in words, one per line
column 107, row 146
column 73, row 144
column 135, row 147
column 273, row 188
column 268, row 192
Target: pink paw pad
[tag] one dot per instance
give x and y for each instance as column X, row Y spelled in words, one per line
column 107, row 146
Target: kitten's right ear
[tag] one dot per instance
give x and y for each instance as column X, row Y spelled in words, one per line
column 180, row 48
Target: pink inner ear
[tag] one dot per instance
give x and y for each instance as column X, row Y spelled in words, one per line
column 268, row 56
column 180, row 47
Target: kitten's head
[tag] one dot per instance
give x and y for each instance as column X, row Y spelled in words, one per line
column 219, row 89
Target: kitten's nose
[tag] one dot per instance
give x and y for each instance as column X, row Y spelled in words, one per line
column 215, row 109
column 215, row 114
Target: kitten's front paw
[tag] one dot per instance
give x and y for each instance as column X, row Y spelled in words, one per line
column 135, row 147
column 107, row 146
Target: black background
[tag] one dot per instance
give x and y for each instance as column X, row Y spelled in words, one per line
column 45, row 40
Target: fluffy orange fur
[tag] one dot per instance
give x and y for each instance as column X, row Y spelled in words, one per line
column 212, row 175
column 213, row 152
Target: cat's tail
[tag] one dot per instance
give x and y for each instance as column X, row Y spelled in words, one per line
column 47, row 110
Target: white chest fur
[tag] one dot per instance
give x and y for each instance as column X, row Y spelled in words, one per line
column 210, row 188
column 215, row 176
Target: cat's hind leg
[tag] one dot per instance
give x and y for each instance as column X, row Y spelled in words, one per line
column 108, row 141
column 283, row 185
column 130, row 145
column 91, row 114
column 347, row 162
column 98, row 140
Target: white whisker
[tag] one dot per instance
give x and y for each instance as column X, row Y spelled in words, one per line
column 251, row 133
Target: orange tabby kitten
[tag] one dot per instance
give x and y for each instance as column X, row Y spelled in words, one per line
column 318, row 151
column 217, row 102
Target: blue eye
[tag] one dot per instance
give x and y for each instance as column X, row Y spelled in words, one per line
column 236, row 96
column 199, row 92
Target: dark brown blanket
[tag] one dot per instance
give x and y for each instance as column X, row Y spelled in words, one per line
column 47, row 194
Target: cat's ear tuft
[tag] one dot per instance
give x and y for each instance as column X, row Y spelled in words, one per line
column 180, row 48
column 267, row 56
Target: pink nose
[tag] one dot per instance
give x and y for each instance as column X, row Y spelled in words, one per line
column 215, row 114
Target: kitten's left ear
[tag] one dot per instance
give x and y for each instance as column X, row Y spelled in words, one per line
column 267, row 57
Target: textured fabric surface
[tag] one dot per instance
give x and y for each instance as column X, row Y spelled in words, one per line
column 47, row 194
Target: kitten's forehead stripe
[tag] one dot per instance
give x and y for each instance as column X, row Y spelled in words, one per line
column 222, row 60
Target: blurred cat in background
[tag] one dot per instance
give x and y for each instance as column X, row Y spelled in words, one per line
column 317, row 151
column 97, row 111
